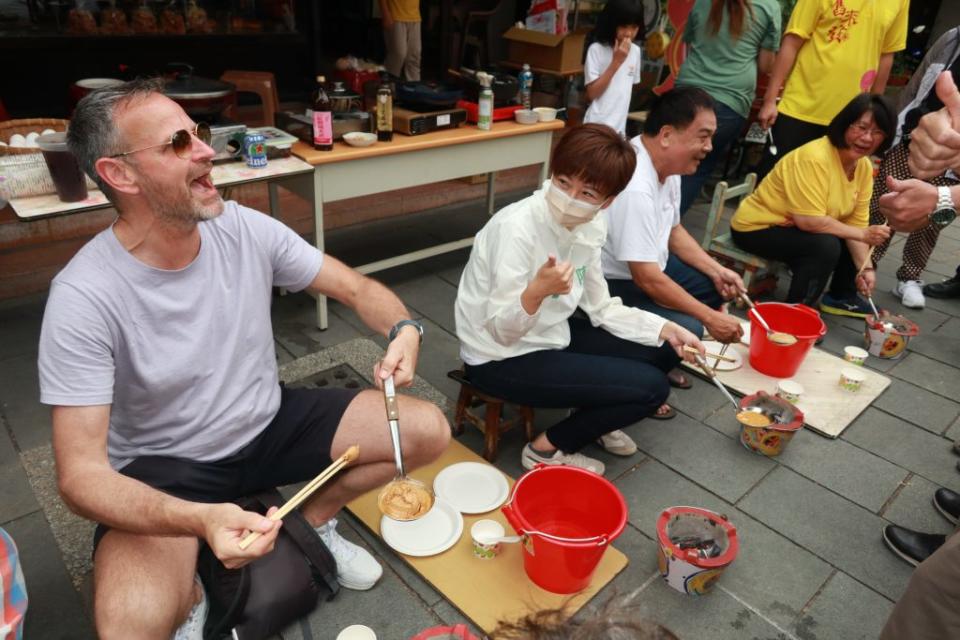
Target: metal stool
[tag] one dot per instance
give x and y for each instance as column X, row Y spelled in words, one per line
column 491, row 424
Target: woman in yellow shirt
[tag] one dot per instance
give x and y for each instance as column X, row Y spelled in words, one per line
column 811, row 211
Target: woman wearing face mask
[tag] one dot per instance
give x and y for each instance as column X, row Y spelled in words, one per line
column 532, row 266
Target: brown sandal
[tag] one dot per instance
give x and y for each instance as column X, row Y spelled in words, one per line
column 660, row 414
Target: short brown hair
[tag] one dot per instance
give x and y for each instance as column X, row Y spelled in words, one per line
column 598, row 155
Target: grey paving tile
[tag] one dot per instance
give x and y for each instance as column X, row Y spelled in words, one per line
column 20, row 402
column 642, row 554
column 18, row 499
column 439, row 354
column 432, row 297
column 844, row 468
column 8, row 454
column 757, row 575
column 913, row 507
column 21, row 329
column 451, row 616
column 929, row 374
column 953, row 431
column 942, row 345
column 928, row 410
column 700, row 400
column 705, row 456
column 845, row 535
column 906, row 445
column 724, row 420
column 844, row 609
column 55, row 609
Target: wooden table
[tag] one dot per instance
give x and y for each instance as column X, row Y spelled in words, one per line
column 408, row 161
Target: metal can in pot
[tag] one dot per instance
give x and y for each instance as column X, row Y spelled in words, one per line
column 254, row 149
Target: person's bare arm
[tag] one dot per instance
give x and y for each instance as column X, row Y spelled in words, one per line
column 620, row 52
column 782, row 66
column 766, row 60
column 883, row 74
column 92, row 489
column 872, row 235
column 385, row 16
column 378, row 308
column 907, row 204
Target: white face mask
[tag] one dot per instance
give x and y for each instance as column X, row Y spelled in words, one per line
column 568, row 211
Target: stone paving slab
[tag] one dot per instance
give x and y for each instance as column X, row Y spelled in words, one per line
column 923, row 408
column 431, row 297
column 929, row 374
column 844, row 609
column 913, row 507
column 844, row 534
column 21, row 330
column 854, row 473
column 700, row 400
column 28, row 420
column 18, row 499
column 906, row 445
column 758, row 574
column 705, row 456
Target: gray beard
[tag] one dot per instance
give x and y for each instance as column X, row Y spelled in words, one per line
column 179, row 211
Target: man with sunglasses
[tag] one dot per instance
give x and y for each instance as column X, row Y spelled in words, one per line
column 157, row 356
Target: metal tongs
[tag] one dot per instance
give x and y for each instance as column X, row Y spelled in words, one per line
column 713, row 377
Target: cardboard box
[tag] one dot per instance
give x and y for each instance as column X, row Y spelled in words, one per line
column 546, row 50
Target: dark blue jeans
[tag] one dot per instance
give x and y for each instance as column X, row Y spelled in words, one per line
column 611, row 383
column 693, row 282
column 729, row 125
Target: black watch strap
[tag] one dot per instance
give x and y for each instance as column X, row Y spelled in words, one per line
column 403, row 323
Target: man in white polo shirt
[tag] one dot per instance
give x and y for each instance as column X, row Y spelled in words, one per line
column 650, row 261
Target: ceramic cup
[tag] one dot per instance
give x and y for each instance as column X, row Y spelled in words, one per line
column 480, row 532
column 790, row 391
column 851, row 379
column 855, row 355
column 357, row 632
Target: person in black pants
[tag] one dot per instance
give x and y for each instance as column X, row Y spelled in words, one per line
column 811, row 211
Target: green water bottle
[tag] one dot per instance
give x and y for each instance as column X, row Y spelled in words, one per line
column 485, row 103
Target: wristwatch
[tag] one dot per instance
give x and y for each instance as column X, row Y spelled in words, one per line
column 945, row 212
column 403, row 323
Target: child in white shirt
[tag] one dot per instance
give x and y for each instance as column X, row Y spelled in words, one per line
column 612, row 66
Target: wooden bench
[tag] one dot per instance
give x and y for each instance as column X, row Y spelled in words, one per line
column 491, row 424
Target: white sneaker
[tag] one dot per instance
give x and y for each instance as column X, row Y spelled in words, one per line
column 910, row 293
column 356, row 568
column 192, row 627
column 530, row 458
column 618, row 443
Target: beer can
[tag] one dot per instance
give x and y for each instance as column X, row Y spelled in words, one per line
column 254, row 149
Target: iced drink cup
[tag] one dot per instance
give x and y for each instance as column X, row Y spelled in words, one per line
column 67, row 177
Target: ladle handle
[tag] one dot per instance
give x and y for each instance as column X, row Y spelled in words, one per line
column 393, row 419
column 716, row 381
column 753, row 307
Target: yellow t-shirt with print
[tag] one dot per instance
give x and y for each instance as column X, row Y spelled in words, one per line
column 404, row 10
column 844, row 41
column 808, row 181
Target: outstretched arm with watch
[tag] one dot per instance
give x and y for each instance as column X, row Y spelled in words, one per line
column 912, row 204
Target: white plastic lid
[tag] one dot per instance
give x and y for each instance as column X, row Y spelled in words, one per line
column 53, row 141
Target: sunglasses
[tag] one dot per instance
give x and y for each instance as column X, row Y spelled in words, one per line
column 181, row 141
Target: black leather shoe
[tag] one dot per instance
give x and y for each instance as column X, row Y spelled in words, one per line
column 948, row 504
column 912, row 546
column 946, row 289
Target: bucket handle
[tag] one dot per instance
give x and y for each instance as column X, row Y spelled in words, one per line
column 507, row 509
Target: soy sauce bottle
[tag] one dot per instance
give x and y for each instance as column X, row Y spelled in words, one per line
column 384, row 110
column 322, row 118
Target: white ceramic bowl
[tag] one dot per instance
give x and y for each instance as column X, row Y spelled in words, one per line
column 545, row 114
column 525, row 116
column 359, row 138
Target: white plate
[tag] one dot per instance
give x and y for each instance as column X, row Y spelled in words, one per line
column 722, row 365
column 471, row 487
column 434, row 533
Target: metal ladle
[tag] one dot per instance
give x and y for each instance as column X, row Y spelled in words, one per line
column 403, row 498
column 723, row 389
column 773, row 146
column 779, row 338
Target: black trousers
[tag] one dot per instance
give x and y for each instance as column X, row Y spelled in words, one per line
column 812, row 257
column 788, row 134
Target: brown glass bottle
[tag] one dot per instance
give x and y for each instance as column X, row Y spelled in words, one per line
column 322, row 118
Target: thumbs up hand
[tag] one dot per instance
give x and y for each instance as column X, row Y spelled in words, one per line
column 935, row 142
column 554, row 277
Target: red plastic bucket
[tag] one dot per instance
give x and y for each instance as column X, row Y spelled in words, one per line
column 782, row 361
column 567, row 516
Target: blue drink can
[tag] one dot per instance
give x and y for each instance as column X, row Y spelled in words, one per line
column 254, row 149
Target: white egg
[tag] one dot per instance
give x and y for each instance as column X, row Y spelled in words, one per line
column 32, row 144
column 46, row 131
column 17, row 140
column 32, row 136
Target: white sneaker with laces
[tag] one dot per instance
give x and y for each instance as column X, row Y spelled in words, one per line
column 192, row 627
column 356, row 568
column 618, row 443
column 530, row 458
column 910, row 293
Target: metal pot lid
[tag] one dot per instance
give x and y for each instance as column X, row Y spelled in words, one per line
column 340, row 91
column 180, row 83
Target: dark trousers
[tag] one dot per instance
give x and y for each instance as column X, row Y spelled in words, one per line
column 729, row 126
column 788, row 134
column 693, row 282
column 609, row 381
column 812, row 257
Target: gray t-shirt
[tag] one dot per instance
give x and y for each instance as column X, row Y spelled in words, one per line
column 185, row 357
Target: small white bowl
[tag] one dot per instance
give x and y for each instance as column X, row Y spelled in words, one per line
column 359, row 138
column 525, row 116
column 545, row 114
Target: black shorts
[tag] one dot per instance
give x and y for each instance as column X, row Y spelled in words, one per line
column 294, row 447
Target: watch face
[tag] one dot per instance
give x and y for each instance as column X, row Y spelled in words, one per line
column 944, row 216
